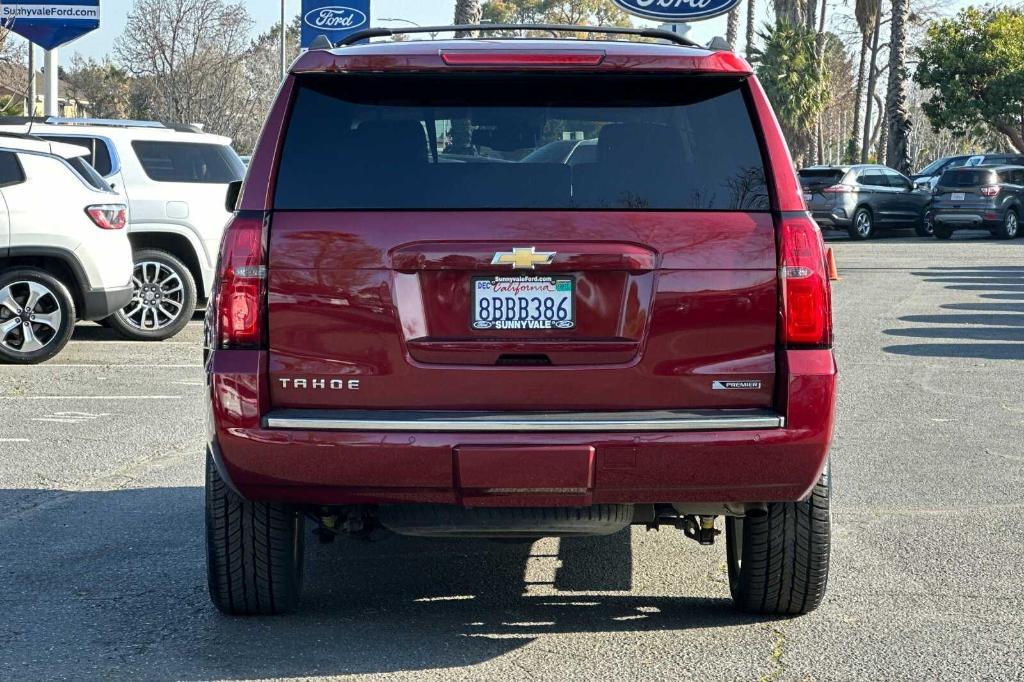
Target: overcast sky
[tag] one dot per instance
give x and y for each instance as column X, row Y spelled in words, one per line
column 266, row 12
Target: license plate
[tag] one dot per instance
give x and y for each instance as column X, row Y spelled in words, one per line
column 524, row 302
column 957, row 196
column 807, row 197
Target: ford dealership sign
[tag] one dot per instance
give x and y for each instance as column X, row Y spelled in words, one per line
column 677, row 11
column 333, row 18
column 50, row 23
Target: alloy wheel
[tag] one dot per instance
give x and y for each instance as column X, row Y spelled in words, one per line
column 30, row 316
column 158, row 298
column 863, row 224
column 1010, row 224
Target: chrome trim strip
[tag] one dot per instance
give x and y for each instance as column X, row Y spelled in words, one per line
column 592, row 422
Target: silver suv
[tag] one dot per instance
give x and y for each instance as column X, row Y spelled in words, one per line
column 175, row 178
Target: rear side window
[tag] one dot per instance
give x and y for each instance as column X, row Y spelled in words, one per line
column 10, row 170
column 188, row 162
column 472, row 141
column 874, row 178
column 88, row 173
column 99, row 153
column 967, row 177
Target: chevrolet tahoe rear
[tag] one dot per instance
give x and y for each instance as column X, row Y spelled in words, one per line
column 420, row 327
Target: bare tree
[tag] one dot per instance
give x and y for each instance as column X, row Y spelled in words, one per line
column 13, row 75
column 188, row 59
column 872, row 81
column 864, row 11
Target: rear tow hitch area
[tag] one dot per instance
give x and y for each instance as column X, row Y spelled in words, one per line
column 697, row 522
column 702, row 529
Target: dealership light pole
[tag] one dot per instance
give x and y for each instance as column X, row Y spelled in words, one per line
column 284, row 44
column 50, row 82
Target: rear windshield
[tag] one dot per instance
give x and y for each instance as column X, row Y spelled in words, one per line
column 967, row 177
column 820, row 177
column 471, row 141
column 189, row 162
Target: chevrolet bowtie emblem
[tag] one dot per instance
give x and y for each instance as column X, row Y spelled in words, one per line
column 521, row 258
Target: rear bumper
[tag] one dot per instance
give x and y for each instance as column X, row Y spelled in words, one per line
column 834, row 219
column 101, row 303
column 309, row 462
column 963, row 220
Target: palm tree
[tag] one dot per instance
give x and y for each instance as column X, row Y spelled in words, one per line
column 751, row 20
column 897, row 152
column 467, row 12
column 864, row 11
column 790, row 11
column 732, row 27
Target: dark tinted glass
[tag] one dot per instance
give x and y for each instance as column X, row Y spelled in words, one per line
column 873, row 178
column 10, row 170
column 820, row 177
column 88, row 173
column 465, row 142
column 967, row 177
column 189, row 162
column 99, row 154
column 896, row 180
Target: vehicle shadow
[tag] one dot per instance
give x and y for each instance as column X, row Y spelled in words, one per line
column 117, row 578
column 993, row 331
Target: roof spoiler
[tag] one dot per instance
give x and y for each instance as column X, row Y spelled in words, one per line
column 554, row 29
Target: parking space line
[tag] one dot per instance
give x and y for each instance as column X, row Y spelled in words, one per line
column 104, row 365
column 15, row 440
column 92, row 397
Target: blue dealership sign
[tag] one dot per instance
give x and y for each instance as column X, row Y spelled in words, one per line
column 677, row 11
column 50, row 23
column 333, row 18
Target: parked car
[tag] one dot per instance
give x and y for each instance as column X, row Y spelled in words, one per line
column 864, row 199
column 60, row 261
column 929, row 175
column 984, row 197
column 174, row 178
column 520, row 350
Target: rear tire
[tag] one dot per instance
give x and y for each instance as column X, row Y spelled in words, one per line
column 925, row 228
column 943, row 233
column 1010, row 227
column 863, row 225
column 778, row 563
column 51, row 322
column 254, row 551
column 163, row 277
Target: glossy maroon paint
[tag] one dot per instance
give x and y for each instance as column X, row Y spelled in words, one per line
column 669, row 301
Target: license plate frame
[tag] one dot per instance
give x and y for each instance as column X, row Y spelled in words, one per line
column 477, row 292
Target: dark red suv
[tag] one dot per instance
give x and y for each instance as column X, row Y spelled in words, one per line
column 421, row 327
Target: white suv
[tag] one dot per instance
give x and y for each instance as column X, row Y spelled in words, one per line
column 175, row 178
column 64, row 252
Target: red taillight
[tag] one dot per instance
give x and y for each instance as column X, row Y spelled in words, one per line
column 108, row 216
column 839, row 189
column 468, row 58
column 990, row 191
column 242, row 287
column 806, row 298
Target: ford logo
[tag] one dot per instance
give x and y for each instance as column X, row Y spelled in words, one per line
column 677, row 10
column 334, row 18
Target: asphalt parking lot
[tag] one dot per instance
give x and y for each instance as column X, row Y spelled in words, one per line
column 102, row 561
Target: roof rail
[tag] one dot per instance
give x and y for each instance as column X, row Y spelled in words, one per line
column 382, row 32
column 110, row 122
